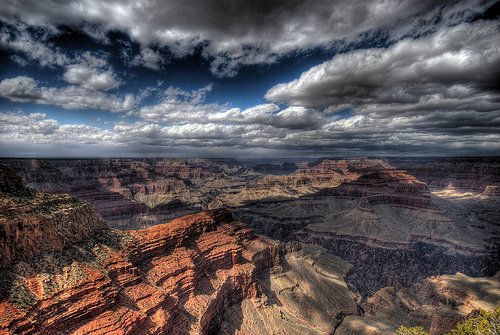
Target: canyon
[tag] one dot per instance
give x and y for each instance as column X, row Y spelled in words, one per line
column 219, row 246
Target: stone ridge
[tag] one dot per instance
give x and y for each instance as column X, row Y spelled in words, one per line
column 175, row 278
column 32, row 223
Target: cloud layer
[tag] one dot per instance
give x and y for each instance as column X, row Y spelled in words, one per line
column 454, row 68
column 432, row 89
column 26, row 89
column 232, row 33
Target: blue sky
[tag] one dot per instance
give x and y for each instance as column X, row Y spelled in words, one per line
column 240, row 79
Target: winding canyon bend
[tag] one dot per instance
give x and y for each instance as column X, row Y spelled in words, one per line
column 215, row 246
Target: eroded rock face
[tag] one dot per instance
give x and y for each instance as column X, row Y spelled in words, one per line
column 32, row 223
column 134, row 193
column 437, row 303
column 171, row 278
column 360, row 246
column 464, row 174
column 388, row 224
column 305, row 294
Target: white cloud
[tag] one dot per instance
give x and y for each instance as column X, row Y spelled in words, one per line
column 452, row 69
column 20, row 88
column 36, row 128
column 182, row 107
column 356, row 135
column 85, row 69
column 148, row 58
column 32, row 45
column 26, row 89
column 90, row 78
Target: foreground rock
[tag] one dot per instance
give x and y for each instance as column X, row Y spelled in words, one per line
column 437, row 303
column 176, row 277
column 69, row 274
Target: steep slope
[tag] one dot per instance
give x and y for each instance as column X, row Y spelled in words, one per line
column 32, row 222
column 172, row 277
column 76, row 276
column 133, row 193
column 380, row 219
column 437, row 303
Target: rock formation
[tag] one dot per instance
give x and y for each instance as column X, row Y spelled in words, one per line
column 131, row 193
column 176, row 278
column 172, row 278
column 380, row 217
column 355, row 246
column 438, row 303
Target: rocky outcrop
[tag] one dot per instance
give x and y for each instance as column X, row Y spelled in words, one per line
column 172, row 278
column 437, row 303
column 32, row 223
column 305, row 294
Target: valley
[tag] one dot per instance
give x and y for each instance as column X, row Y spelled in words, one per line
column 220, row 246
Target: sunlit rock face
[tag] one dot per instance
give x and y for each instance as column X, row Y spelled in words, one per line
column 171, row 278
column 353, row 246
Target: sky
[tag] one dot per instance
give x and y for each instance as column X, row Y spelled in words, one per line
column 249, row 79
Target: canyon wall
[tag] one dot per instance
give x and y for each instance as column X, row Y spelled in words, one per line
column 380, row 218
column 133, row 193
column 343, row 246
column 172, row 278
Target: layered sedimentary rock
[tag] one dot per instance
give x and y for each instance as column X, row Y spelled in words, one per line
column 134, row 193
column 172, row 278
column 190, row 276
column 307, row 179
column 359, row 246
column 381, row 218
column 32, row 223
column 437, row 303
column 183, row 277
column 305, row 294
column 464, row 174
column 200, row 274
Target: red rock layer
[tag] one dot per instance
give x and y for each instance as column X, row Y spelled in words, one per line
column 386, row 187
column 127, row 190
column 174, row 278
column 32, row 223
column 32, row 231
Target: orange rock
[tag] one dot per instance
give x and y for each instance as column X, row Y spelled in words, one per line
column 174, row 278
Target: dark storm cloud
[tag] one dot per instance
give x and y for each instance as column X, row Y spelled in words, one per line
column 237, row 32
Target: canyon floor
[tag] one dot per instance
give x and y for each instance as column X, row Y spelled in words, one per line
column 219, row 246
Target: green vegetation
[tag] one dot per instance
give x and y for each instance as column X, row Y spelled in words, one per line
column 402, row 330
column 486, row 323
column 13, row 290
